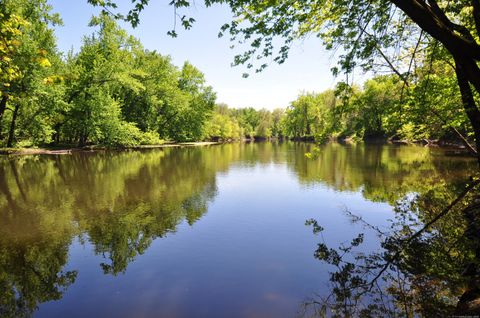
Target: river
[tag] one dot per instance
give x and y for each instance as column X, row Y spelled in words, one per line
column 213, row 231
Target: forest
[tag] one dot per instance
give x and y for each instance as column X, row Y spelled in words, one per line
column 113, row 92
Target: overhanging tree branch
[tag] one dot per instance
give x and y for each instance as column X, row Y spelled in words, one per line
column 437, row 28
column 476, row 15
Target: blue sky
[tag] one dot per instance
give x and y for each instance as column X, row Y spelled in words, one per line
column 307, row 68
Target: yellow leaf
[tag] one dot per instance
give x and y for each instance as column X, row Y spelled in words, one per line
column 44, row 62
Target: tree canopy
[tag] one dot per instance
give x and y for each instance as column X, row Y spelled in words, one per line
column 112, row 91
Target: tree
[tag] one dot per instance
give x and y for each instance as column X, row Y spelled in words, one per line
column 26, row 52
column 277, row 124
column 100, row 67
column 264, row 126
column 121, row 95
column 233, row 124
column 187, row 121
column 112, row 92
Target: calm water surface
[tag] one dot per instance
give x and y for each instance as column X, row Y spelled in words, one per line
column 215, row 231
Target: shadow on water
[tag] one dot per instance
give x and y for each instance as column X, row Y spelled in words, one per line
column 120, row 202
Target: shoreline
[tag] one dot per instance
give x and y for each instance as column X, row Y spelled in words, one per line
column 67, row 151
column 448, row 148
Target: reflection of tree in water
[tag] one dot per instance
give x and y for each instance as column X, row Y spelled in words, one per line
column 433, row 272
column 383, row 173
column 155, row 201
column 32, row 273
column 428, row 265
column 122, row 235
column 123, row 201
column 34, row 239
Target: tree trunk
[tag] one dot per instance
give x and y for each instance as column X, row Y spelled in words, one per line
column 56, row 135
column 11, row 133
column 468, row 102
column 3, row 106
column 307, row 123
column 437, row 24
column 82, row 141
column 461, row 45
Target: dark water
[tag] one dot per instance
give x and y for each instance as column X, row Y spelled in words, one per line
column 215, row 231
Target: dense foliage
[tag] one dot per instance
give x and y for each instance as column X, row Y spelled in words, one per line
column 404, row 37
column 384, row 108
column 112, row 92
column 244, row 123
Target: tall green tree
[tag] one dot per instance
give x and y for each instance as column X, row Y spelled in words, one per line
column 26, row 54
column 97, row 70
column 186, row 123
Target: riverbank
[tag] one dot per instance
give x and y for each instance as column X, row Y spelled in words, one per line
column 66, row 150
column 450, row 149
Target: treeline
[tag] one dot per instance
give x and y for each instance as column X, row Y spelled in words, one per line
column 112, row 92
column 426, row 108
column 386, row 107
column 244, row 123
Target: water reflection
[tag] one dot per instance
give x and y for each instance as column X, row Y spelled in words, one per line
column 120, row 202
column 382, row 173
column 429, row 261
column 31, row 272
